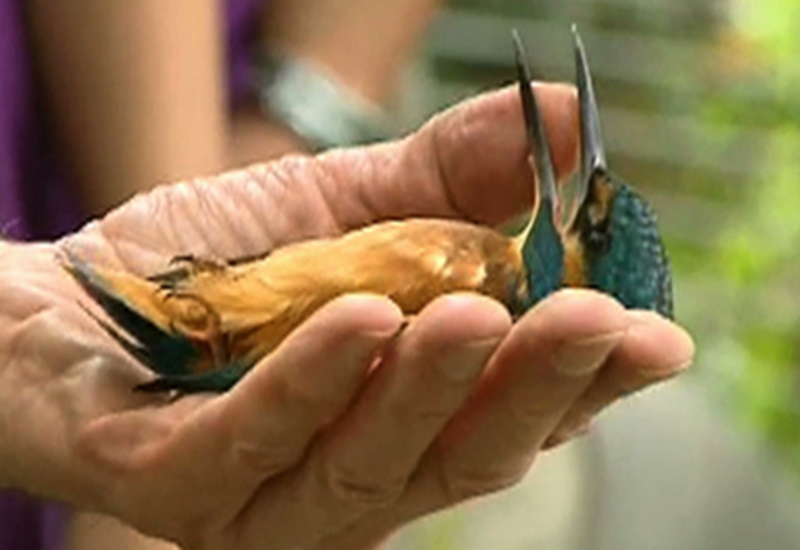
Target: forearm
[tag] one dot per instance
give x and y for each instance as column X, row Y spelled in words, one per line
column 134, row 90
column 364, row 43
column 361, row 44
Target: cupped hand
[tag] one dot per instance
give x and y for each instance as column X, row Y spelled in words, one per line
column 351, row 428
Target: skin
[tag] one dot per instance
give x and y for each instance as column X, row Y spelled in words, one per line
column 306, row 451
column 164, row 62
column 150, row 103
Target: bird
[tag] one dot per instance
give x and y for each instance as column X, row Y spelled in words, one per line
column 202, row 324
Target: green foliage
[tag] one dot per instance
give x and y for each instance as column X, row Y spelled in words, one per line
column 772, row 29
column 758, row 253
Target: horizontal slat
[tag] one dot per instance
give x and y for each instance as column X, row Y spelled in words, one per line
column 689, row 219
column 485, row 39
column 768, row 307
column 665, row 139
column 683, row 141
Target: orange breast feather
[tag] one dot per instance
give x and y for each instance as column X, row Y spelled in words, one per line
column 411, row 262
column 249, row 308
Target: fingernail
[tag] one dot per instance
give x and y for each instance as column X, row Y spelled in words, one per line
column 670, row 364
column 559, row 437
column 585, row 356
column 467, row 362
column 668, row 371
column 581, row 430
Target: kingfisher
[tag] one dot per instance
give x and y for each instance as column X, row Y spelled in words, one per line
column 202, row 324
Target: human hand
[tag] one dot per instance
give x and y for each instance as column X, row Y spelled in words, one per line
column 313, row 449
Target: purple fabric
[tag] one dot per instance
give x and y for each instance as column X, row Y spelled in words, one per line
column 34, row 204
column 13, row 88
column 28, row 525
column 243, row 27
column 38, row 202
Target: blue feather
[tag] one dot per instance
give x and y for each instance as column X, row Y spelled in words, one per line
column 165, row 353
column 632, row 265
column 543, row 256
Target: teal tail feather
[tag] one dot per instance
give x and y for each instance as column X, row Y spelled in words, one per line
column 169, row 355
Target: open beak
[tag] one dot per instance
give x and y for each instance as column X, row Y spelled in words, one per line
column 593, row 155
column 546, row 187
column 540, row 243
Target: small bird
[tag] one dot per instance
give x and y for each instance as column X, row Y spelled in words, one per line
column 201, row 325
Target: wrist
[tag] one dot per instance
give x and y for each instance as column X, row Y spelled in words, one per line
column 316, row 106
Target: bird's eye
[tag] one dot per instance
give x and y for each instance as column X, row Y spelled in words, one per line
column 598, row 239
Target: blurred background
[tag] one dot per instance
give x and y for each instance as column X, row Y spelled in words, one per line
column 700, row 104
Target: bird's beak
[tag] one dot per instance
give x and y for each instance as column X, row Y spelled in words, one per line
column 593, row 166
column 539, row 147
column 540, row 243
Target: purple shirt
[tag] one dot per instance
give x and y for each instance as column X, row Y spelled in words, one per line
column 32, row 203
column 38, row 202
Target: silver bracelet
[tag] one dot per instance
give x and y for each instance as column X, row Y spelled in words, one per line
column 319, row 110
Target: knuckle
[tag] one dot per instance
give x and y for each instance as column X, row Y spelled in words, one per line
column 530, row 412
column 358, row 490
column 417, row 415
column 265, row 462
column 567, row 433
column 643, row 380
column 430, row 404
column 291, row 393
column 463, row 483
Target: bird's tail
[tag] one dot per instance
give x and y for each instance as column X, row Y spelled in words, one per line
column 140, row 326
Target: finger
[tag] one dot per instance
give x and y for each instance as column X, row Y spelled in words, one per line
column 470, row 162
column 366, row 458
column 229, row 444
column 264, row 425
column 547, row 361
column 653, row 350
column 273, row 413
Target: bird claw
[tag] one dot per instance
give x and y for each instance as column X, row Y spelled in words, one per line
column 197, row 320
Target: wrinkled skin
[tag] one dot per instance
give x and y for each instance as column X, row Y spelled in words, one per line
column 308, row 452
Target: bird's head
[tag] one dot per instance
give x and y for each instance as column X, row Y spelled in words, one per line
column 610, row 241
column 614, row 244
